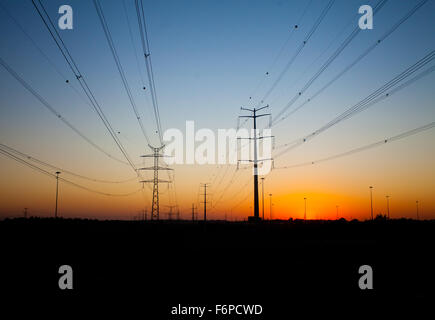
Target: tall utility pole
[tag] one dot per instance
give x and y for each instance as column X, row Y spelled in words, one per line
column 205, row 200
column 262, row 191
column 270, row 210
column 155, row 209
column 416, row 204
column 337, row 211
column 254, row 116
column 371, row 201
column 57, row 191
column 388, row 206
column 305, row 208
column 25, row 213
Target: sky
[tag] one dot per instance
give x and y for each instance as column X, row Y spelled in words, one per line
column 209, row 58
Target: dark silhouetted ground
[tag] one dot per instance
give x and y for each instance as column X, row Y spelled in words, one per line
column 156, row 265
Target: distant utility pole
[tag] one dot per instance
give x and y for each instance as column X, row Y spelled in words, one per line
column 262, row 191
column 270, row 210
column 170, row 211
column 305, row 208
column 388, row 206
column 205, row 200
column 337, row 211
column 371, row 201
column 25, row 213
column 193, row 212
column 155, row 209
column 57, row 191
column 416, row 204
column 254, row 116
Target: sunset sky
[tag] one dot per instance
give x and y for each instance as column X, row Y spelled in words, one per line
column 208, row 58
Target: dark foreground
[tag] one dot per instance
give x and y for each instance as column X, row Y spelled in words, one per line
column 152, row 266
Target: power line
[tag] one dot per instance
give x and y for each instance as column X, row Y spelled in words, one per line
column 133, row 44
column 299, row 49
column 119, row 66
column 218, row 169
column 224, row 189
column 172, row 182
column 61, row 75
column 73, row 66
column 244, row 199
column 375, row 97
column 358, row 59
column 363, row 148
column 215, row 175
column 337, row 52
column 148, row 63
column 362, row 105
column 149, row 67
column 280, row 52
column 350, row 22
column 64, row 52
column 32, row 166
column 50, row 108
column 45, row 56
column 221, row 179
column 231, row 183
column 31, row 158
column 139, row 69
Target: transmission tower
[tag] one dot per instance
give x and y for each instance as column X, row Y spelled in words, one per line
column 155, row 208
column 254, row 116
column 205, row 200
column 193, row 212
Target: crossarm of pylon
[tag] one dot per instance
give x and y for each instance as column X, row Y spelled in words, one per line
column 154, row 155
column 155, row 168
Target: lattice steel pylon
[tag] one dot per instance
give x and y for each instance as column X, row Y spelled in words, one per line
column 155, row 209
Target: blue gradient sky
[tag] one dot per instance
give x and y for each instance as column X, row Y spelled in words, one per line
column 208, row 56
